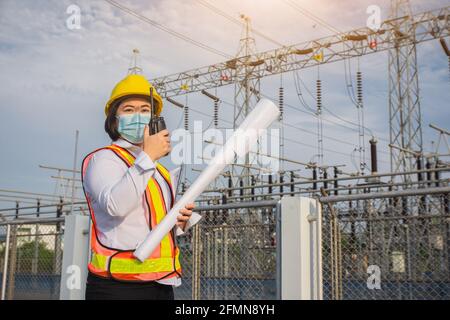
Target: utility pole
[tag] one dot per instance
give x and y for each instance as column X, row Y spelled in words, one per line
column 74, row 171
column 60, row 177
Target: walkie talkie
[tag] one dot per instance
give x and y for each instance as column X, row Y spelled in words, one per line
column 156, row 123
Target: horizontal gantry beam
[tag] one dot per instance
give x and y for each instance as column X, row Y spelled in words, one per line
column 420, row 28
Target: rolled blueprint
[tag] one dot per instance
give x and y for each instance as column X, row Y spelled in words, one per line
column 238, row 145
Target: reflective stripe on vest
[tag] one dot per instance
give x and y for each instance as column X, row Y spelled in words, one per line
column 128, row 265
column 121, row 264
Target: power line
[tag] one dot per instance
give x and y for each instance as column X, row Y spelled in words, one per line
column 314, row 115
column 328, row 137
column 38, row 195
column 298, row 89
column 311, row 16
column 351, row 95
column 237, row 21
column 348, row 80
column 348, row 73
column 307, row 131
column 287, row 139
column 295, row 127
column 302, row 101
column 168, row 30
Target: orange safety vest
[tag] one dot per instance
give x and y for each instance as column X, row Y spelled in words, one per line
column 120, row 264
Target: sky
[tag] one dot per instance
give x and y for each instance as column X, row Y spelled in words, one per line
column 56, row 80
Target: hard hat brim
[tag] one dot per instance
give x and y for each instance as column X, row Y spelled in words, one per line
column 118, row 99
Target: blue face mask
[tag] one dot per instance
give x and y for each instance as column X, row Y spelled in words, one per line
column 131, row 126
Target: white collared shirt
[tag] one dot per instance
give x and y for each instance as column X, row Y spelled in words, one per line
column 117, row 197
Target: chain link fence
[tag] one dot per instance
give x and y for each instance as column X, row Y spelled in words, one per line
column 391, row 248
column 396, row 247
column 31, row 254
column 231, row 254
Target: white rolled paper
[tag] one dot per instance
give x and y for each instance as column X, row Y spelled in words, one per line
column 260, row 118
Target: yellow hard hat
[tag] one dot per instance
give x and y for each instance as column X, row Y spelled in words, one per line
column 134, row 84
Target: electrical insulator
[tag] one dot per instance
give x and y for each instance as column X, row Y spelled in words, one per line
column 270, row 183
column 319, row 96
column 252, row 190
column 281, row 183
column 325, row 177
column 419, row 168
column 428, row 167
column 281, row 102
column 314, row 176
column 373, row 155
column 216, row 113
column 38, row 209
column 224, row 198
column 241, row 185
column 336, row 183
column 437, row 175
column 292, row 183
column 186, row 118
column 359, row 92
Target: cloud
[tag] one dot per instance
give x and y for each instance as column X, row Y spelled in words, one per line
column 56, row 80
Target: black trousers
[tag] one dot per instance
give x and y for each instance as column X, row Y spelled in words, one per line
column 98, row 288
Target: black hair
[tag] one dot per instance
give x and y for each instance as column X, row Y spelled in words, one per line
column 111, row 121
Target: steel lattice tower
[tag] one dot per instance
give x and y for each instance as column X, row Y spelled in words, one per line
column 404, row 105
column 246, row 91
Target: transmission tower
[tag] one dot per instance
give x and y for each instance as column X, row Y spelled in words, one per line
column 246, row 91
column 404, row 105
column 134, row 69
column 398, row 36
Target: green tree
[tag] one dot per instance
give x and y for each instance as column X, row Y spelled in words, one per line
column 27, row 252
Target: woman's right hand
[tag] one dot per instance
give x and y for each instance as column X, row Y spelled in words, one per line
column 157, row 145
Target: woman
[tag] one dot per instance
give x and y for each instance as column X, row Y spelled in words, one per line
column 129, row 193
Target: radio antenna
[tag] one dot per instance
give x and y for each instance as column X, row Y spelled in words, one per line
column 152, row 105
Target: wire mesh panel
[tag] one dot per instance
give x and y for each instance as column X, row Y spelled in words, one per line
column 386, row 248
column 3, row 232
column 390, row 248
column 185, row 244
column 230, row 255
column 34, row 260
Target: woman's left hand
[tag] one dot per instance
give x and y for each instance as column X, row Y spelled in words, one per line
column 185, row 215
